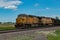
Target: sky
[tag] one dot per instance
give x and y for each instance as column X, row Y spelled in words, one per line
column 10, row 9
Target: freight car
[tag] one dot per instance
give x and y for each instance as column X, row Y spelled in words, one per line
column 27, row 21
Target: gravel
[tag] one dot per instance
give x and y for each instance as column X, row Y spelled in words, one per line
column 25, row 35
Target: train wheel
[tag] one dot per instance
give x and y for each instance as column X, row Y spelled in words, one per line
column 19, row 26
column 27, row 26
column 16, row 26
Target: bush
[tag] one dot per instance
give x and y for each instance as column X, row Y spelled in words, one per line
column 52, row 37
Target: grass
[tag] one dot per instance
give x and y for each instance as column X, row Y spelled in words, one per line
column 7, row 27
column 56, row 37
column 57, row 31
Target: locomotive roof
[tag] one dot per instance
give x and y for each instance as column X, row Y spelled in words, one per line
column 33, row 16
column 22, row 15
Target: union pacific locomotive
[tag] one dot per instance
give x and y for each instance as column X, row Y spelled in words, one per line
column 28, row 21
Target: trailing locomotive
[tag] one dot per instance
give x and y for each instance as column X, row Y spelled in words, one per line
column 27, row 21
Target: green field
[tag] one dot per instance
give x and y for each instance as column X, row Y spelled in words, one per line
column 54, row 37
column 7, row 27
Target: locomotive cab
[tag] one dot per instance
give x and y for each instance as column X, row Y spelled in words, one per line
column 26, row 21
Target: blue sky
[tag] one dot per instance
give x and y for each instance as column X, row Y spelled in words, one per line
column 10, row 9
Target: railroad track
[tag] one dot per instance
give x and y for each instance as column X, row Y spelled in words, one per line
column 32, row 29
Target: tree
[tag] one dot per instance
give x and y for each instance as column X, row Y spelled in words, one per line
column 0, row 22
column 8, row 23
column 57, row 21
column 57, row 18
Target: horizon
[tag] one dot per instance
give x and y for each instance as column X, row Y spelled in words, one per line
column 10, row 9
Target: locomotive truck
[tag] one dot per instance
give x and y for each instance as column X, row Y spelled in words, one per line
column 28, row 21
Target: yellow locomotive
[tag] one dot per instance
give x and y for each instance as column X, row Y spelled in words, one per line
column 27, row 21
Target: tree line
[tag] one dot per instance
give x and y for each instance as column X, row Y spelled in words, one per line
column 7, row 22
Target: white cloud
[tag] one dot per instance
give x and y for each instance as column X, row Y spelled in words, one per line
column 36, row 4
column 12, row 4
column 47, row 8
